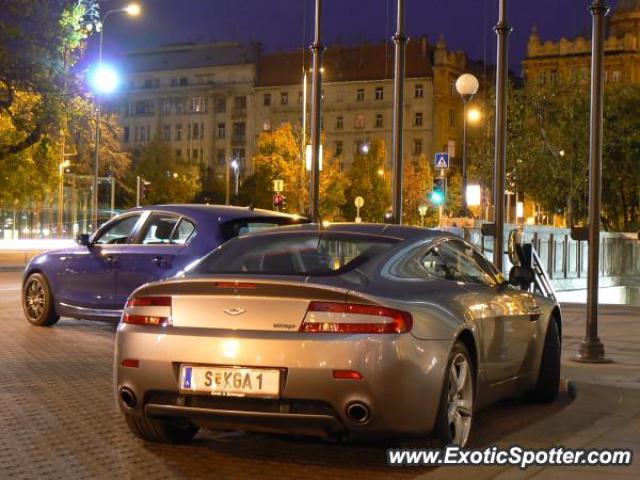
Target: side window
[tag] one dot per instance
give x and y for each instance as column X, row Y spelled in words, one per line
column 435, row 265
column 119, row 232
column 159, row 229
column 464, row 264
column 183, row 232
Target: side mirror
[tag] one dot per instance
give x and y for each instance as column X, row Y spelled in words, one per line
column 83, row 239
column 521, row 277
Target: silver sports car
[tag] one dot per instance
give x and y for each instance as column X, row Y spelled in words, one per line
column 347, row 330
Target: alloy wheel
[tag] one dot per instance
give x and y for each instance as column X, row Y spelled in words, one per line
column 460, row 399
column 35, row 298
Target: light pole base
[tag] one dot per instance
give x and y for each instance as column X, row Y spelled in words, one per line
column 591, row 351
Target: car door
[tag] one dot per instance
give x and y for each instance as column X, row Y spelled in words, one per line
column 501, row 311
column 154, row 252
column 89, row 272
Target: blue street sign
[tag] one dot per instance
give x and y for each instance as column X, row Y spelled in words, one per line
column 442, row 160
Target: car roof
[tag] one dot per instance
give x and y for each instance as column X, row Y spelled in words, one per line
column 223, row 212
column 401, row 232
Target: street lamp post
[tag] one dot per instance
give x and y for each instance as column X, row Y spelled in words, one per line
column 316, row 96
column 592, row 349
column 467, row 86
column 236, row 172
column 400, row 41
column 64, row 164
column 502, row 30
column 133, row 9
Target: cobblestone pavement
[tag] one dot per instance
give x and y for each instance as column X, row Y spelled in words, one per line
column 58, row 419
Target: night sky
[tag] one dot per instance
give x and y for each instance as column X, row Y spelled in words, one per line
column 287, row 24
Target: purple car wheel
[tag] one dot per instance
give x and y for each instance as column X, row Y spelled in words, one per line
column 37, row 301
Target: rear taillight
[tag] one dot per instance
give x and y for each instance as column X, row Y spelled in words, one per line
column 154, row 311
column 330, row 317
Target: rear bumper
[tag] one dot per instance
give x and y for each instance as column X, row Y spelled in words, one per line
column 401, row 384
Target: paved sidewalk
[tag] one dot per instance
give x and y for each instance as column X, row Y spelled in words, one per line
column 604, row 414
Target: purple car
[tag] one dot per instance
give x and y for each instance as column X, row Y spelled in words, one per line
column 93, row 279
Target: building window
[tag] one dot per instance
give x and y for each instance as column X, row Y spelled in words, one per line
column 166, row 106
column 238, row 154
column 452, row 119
column 359, row 121
column 180, row 106
column 221, row 105
column 339, row 122
column 221, row 130
column 194, row 155
column 284, row 98
column 174, row 82
column 452, row 88
column 553, row 77
column 240, row 102
column 379, row 120
column 166, row 133
column 339, row 96
column 188, row 131
column 360, row 95
column 125, row 135
column 417, row 119
column 178, row 132
column 198, row 105
column 266, row 126
column 196, row 131
column 239, row 131
column 266, row 100
column 379, row 93
column 542, row 79
column 417, row 146
column 418, row 91
column 221, row 156
column 451, row 148
column 183, row 81
column 148, row 83
column 338, row 148
column 616, row 76
column 178, row 152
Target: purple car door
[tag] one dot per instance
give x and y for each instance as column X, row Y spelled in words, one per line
column 154, row 253
column 88, row 278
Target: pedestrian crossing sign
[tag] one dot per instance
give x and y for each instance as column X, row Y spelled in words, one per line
column 442, row 160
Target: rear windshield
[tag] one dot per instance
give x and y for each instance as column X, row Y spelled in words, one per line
column 299, row 253
column 235, row 228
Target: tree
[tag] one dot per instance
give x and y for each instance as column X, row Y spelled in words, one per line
column 278, row 158
column 417, row 183
column 39, row 43
column 172, row 181
column 368, row 178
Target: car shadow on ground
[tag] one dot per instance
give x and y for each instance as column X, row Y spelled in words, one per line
column 297, row 457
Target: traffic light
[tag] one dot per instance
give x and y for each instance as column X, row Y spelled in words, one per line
column 439, row 191
column 279, row 201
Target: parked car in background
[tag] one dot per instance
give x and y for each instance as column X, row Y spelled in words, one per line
column 93, row 279
column 348, row 330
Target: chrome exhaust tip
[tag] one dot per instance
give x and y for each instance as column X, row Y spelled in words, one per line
column 127, row 397
column 358, row 412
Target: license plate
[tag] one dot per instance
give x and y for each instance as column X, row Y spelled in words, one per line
column 230, row 381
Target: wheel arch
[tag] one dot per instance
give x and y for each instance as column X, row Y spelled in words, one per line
column 556, row 316
column 468, row 339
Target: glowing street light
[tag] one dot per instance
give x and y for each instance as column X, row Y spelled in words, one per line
column 133, row 9
column 104, row 79
column 467, row 86
column 473, row 115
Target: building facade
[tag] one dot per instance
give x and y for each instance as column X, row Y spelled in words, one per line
column 198, row 98
column 212, row 101
column 548, row 62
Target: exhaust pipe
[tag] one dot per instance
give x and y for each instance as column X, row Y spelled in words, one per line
column 127, row 397
column 358, row 412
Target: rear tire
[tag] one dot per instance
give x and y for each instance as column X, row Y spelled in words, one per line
column 548, row 383
column 454, row 422
column 37, row 301
column 155, row 430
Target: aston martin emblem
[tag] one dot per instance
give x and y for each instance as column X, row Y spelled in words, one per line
column 234, row 311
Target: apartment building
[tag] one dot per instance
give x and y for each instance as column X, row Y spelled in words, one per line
column 212, row 101
column 357, row 97
column 199, row 98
